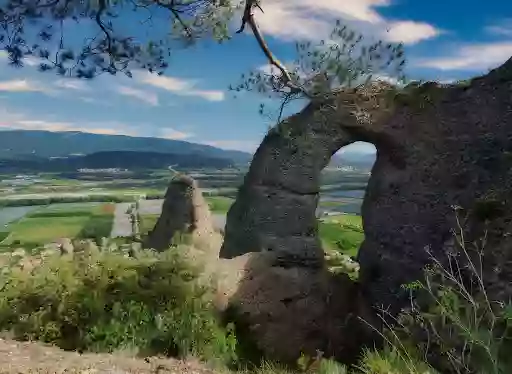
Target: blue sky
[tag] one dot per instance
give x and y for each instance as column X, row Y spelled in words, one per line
column 445, row 40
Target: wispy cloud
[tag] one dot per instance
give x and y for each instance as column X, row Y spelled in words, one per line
column 474, row 57
column 501, row 28
column 170, row 133
column 24, row 85
column 178, row 86
column 314, row 19
column 12, row 119
column 142, row 95
column 72, row 84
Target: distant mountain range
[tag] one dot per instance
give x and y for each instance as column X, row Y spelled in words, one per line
column 113, row 160
column 358, row 160
column 27, row 144
column 32, row 150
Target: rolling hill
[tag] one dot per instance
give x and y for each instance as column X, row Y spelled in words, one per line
column 27, row 144
column 113, row 159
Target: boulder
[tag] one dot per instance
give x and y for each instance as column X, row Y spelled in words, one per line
column 65, row 245
column 184, row 211
column 438, row 146
column 314, row 309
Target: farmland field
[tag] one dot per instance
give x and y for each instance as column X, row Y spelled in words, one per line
column 43, row 230
column 8, row 215
column 49, row 206
column 342, row 233
column 148, row 222
column 219, row 204
column 46, row 224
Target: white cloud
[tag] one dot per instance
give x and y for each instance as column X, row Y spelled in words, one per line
column 72, row 84
column 10, row 119
column 143, row 95
column 170, row 133
column 178, row 86
column 501, row 28
column 473, row 57
column 23, row 85
column 314, row 20
column 358, row 147
column 409, row 32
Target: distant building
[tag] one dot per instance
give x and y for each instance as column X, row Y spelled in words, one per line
column 106, row 170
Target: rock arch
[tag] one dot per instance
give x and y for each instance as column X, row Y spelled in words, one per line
column 444, row 147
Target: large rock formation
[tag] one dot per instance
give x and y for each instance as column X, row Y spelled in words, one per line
column 437, row 147
column 184, row 211
column 307, row 306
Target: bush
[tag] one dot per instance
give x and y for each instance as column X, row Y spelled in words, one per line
column 107, row 302
column 98, row 226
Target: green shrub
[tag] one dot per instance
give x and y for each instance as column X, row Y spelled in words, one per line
column 106, row 302
column 98, row 226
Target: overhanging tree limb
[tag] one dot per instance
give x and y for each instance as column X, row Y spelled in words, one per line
column 248, row 18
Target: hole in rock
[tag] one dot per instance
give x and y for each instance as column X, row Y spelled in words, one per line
column 343, row 186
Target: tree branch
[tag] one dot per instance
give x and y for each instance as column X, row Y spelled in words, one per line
column 248, row 18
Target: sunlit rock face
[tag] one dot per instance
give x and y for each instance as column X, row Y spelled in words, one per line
column 184, row 211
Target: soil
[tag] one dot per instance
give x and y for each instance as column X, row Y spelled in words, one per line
column 30, row 357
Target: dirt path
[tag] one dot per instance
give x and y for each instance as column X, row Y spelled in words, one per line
column 27, row 357
column 122, row 226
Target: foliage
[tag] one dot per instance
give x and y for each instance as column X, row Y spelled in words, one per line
column 97, row 227
column 344, row 60
column 392, row 361
column 107, row 302
column 40, row 28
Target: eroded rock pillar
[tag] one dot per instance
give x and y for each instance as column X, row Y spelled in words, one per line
column 275, row 209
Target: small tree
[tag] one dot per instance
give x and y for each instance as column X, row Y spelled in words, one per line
column 343, row 60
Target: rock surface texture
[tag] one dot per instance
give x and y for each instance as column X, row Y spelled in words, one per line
column 437, row 147
column 184, row 211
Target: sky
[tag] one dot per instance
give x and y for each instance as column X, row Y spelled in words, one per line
column 444, row 40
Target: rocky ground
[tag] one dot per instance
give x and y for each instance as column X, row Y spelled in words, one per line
column 29, row 357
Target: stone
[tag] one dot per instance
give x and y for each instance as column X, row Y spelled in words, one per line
column 437, row 147
column 313, row 309
column 86, row 247
column 65, row 246
column 184, row 211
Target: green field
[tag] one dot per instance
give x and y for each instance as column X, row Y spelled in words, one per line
column 60, row 221
column 343, row 233
column 219, row 204
column 147, row 222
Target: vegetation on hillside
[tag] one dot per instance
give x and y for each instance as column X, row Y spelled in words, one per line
column 153, row 303
column 107, row 302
